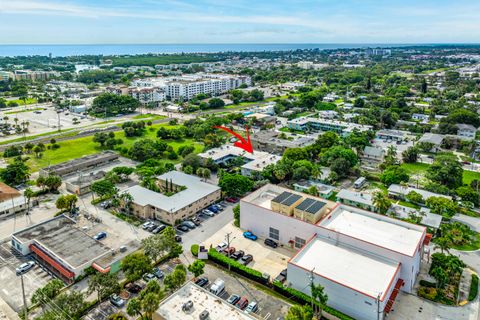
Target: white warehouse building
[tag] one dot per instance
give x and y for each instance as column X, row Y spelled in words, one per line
column 361, row 258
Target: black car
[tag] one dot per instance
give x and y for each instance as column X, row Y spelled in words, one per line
column 246, row 259
column 183, row 228
column 202, row 282
column 237, row 254
column 152, row 227
column 133, row 287
column 282, row 276
column 271, row 243
column 178, row 238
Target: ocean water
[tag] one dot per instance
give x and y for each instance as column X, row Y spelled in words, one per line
column 124, row 49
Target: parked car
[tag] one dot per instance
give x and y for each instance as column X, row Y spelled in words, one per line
column 100, row 236
column 178, row 239
column 182, row 228
column 117, row 301
column 218, row 207
column 271, row 243
column 202, row 282
column 24, row 267
column 133, row 287
column 233, row 299
column 196, row 221
column 217, row 287
column 221, row 246
column 208, row 212
column 123, row 249
column 158, row 273
column 242, row 303
column 229, row 251
column 146, row 225
column 246, row 259
column 189, row 224
column 148, row 277
column 252, row 307
column 282, row 276
column 187, row 306
column 152, row 227
column 249, row 235
column 232, row 199
column 237, row 254
column 159, row 229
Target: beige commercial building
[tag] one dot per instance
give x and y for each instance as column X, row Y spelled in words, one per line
column 183, row 196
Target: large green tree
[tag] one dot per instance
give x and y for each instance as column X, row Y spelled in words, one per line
column 446, row 170
column 110, row 105
column 235, row 185
column 135, row 265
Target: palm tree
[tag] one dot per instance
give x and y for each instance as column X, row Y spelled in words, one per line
column 28, row 194
column 318, row 294
column 134, row 308
column 381, row 202
column 150, row 303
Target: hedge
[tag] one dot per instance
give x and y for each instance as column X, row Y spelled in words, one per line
column 303, row 298
column 473, row 288
column 194, row 249
column 236, row 266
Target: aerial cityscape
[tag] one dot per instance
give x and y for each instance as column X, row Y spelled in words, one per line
column 185, row 160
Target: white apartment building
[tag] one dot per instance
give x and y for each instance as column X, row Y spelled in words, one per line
column 187, row 86
column 148, row 95
column 361, row 258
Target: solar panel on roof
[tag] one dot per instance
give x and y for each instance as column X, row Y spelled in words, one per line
column 290, row 200
column 284, row 195
column 305, row 204
column 315, row 207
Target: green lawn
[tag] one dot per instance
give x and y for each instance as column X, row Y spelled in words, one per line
column 21, row 103
column 23, row 110
column 472, row 246
column 149, row 116
column 421, row 168
column 80, row 147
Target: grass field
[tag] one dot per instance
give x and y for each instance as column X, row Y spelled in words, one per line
column 421, row 168
column 23, row 110
column 80, row 147
column 471, row 246
column 149, row 116
column 21, row 103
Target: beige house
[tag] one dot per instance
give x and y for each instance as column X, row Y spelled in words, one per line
column 183, row 196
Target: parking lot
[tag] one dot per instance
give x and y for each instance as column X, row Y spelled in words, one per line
column 265, row 259
column 106, row 308
column 269, row 307
column 11, row 289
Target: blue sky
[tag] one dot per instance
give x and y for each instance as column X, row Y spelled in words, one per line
column 238, row 21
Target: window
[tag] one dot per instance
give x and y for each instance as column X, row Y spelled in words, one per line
column 274, row 234
column 299, row 242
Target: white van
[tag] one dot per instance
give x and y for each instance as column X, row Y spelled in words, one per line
column 217, row 287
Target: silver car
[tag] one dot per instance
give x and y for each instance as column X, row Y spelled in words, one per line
column 24, row 267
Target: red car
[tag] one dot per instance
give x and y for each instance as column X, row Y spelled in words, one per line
column 229, row 250
column 232, row 199
column 242, row 303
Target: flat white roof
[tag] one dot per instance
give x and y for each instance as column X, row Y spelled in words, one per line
column 258, row 159
column 218, row 309
column 377, row 229
column 196, row 190
column 355, row 269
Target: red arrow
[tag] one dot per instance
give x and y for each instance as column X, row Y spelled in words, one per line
column 243, row 144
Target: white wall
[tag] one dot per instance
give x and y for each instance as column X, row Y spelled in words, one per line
column 344, row 299
column 258, row 220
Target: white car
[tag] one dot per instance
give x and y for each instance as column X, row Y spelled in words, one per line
column 208, row 213
column 24, row 267
column 221, row 246
column 146, row 225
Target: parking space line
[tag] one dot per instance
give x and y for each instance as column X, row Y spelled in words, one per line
column 267, row 316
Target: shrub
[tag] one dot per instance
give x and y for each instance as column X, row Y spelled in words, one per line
column 117, row 316
column 235, row 266
column 194, row 249
column 427, row 293
column 473, row 288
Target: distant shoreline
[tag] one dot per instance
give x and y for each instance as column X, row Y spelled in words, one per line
column 63, row 50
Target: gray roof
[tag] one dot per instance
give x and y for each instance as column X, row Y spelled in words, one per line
column 466, row 127
column 429, row 219
column 196, row 190
column 434, row 138
column 359, row 197
column 373, row 151
column 398, row 189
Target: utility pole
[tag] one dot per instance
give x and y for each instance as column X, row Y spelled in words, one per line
column 378, row 305
column 24, row 298
column 227, row 238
